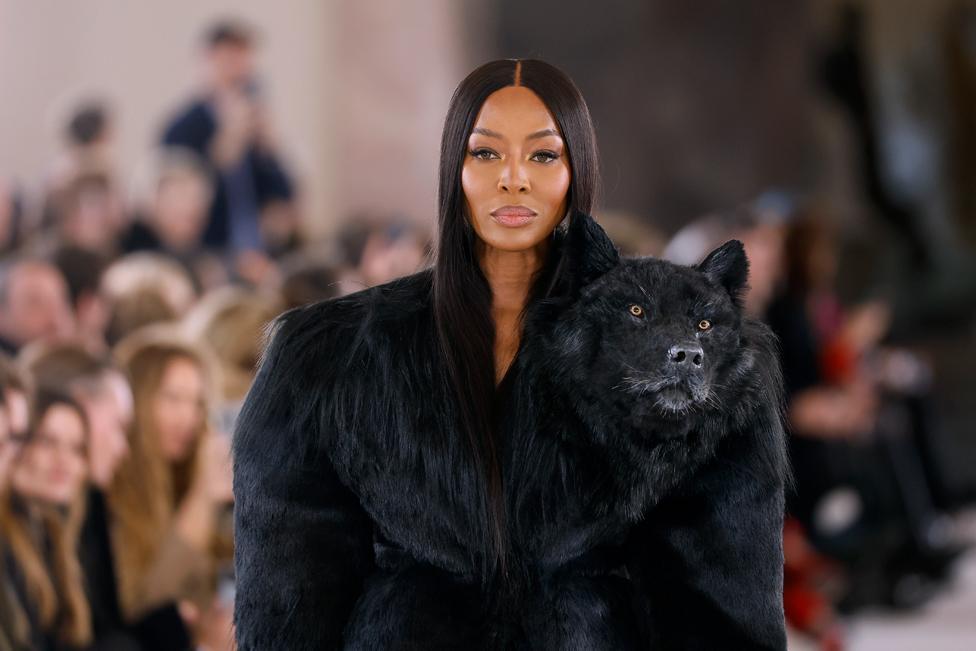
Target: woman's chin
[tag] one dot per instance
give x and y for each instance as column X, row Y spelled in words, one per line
column 514, row 240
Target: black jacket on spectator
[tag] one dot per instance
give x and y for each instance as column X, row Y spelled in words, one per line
column 195, row 128
column 159, row 630
column 95, row 555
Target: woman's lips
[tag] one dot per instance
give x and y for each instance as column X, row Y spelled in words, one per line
column 513, row 216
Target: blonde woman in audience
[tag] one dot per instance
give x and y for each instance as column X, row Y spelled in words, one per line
column 168, row 496
column 142, row 289
column 40, row 519
column 231, row 322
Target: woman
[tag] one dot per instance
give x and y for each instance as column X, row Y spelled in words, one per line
column 40, row 520
column 167, row 498
column 369, row 472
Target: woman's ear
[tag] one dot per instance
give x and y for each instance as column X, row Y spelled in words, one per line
column 728, row 267
column 591, row 250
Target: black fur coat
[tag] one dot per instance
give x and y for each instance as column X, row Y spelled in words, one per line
column 643, row 472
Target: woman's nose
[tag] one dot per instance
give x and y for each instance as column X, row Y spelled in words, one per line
column 513, row 177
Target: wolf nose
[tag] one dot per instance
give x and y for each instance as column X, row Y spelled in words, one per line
column 685, row 354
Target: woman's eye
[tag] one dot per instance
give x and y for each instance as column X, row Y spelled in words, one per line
column 545, row 156
column 637, row 310
column 704, row 324
column 483, row 154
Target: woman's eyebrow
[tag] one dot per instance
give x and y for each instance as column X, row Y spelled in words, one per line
column 487, row 132
column 532, row 136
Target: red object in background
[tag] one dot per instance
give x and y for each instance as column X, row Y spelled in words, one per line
column 807, row 605
column 838, row 362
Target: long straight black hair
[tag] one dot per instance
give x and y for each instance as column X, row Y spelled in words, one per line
column 462, row 297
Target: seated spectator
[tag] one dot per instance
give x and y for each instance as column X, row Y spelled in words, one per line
column 173, row 213
column 393, row 249
column 862, row 494
column 85, row 169
column 40, row 520
column 87, row 213
column 145, row 288
column 34, row 304
column 281, row 228
column 307, row 278
column 231, row 323
column 104, row 394
column 761, row 232
column 170, row 498
column 632, row 235
column 83, row 270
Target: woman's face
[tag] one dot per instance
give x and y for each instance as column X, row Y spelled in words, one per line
column 178, row 408
column 109, row 412
column 53, row 465
column 181, row 211
column 516, row 173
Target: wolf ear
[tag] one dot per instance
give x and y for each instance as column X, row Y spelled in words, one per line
column 592, row 251
column 728, row 267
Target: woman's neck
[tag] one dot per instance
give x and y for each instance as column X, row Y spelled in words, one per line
column 510, row 275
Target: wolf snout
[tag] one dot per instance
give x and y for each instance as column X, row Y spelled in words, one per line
column 686, row 356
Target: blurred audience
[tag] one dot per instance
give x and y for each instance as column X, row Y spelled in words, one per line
column 761, row 231
column 34, row 303
column 866, row 492
column 231, row 323
column 170, row 497
column 228, row 126
column 83, row 270
column 87, row 213
column 145, row 288
column 40, row 519
column 307, row 277
column 173, row 212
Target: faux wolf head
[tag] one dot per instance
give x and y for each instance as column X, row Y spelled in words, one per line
column 655, row 345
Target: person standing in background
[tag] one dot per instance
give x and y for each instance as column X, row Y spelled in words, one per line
column 227, row 125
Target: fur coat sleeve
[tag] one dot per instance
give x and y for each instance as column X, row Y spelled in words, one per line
column 303, row 542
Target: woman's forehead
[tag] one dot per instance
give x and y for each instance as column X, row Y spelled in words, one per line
column 515, row 113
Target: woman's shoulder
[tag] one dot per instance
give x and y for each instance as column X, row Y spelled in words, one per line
column 336, row 327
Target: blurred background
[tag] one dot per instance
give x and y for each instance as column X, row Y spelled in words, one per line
column 172, row 176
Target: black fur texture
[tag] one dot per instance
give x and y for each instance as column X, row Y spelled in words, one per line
column 644, row 486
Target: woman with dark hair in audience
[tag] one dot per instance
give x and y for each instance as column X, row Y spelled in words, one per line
column 40, row 519
column 104, row 394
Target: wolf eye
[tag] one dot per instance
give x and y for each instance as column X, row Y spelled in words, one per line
column 704, row 324
column 637, row 310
